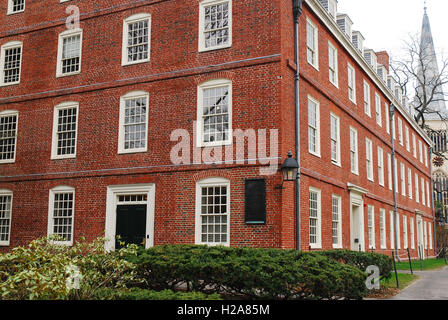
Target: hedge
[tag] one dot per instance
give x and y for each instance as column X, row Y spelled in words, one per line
column 144, row 294
column 249, row 272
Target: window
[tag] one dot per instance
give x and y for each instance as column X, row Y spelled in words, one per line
column 351, row 83
column 354, row 150
column 133, row 127
column 313, row 127
column 422, row 186
column 426, row 155
column 386, row 113
column 420, row 150
column 410, row 183
column 136, row 46
column 430, row 235
column 428, row 200
column 396, row 175
column 405, row 232
column 380, row 166
column 403, row 179
column 367, row 99
column 408, row 142
column 383, row 228
column 312, row 44
column 8, row 136
column 5, row 217
column 369, row 160
column 371, row 226
column 69, row 53
column 61, row 213
column 213, row 212
column 414, row 146
column 215, row 113
column 335, row 140
column 65, row 127
column 215, row 25
column 389, row 170
column 336, row 221
column 315, row 218
column 394, row 129
column 333, row 64
column 400, row 131
column 379, row 119
column 16, row 6
column 412, row 233
column 392, row 235
column 10, row 63
column 398, row 232
column 417, row 191
column 425, row 235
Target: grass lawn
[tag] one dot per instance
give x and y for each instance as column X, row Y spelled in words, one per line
column 388, row 287
column 429, row 264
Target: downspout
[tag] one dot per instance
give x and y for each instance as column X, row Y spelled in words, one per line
column 297, row 11
column 433, row 202
column 394, row 176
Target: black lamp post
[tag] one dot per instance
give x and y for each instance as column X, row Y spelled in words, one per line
column 290, row 168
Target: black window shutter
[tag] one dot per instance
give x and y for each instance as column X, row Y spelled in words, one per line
column 255, row 201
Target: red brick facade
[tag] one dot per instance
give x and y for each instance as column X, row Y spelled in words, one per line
column 259, row 65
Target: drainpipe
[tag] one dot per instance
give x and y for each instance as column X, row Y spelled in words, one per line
column 433, row 202
column 297, row 11
column 394, row 175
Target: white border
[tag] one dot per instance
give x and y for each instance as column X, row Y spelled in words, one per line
column 124, row 48
column 10, row 6
column 53, row 191
column 54, row 140
column 6, row 192
column 8, row 113
column 4, row 47
column 201, row 38
column 62, row 35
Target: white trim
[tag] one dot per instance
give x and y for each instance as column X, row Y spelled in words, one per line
column 6, row 192
column 336, row 161
column 318, row 244
column 3, row 48
column 121, row 132
column 8, row 113
column 124, row 52
column 371, row 216
column 379, row 119
column 318, row 142
column 367, row 99
column 315, row 64
column 111, row 210
column 356, row 152
column 201, row 38
column 211, row 182
column 339, row 198
column 380, row 166
column 54, row 140
column 383, row 237
column 351, row 69
column 392, row 230
column 10, row 7
column 336, row 67
column 369, row 165
column 62, row 35
column 53, row 191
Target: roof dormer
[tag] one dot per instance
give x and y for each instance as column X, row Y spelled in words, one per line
column 382, row 72
column 331, row 6
column 370, row 57
column 345, row 24
column 358, row 40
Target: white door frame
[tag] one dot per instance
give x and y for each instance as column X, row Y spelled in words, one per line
column 420, row 240
column 111, row 211
column 356, row 200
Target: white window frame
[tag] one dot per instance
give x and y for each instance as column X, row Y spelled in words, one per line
column 430, row 235
column 371, row 226
column 412, row 232
column 331, row 48
column 124, row 48
column 351, row 82
column 354, row 165
column 121, row 131
column 414, row 146
column 405, row 232
column 425, row 235
column 53, row 192
column 200, row 107
column 367, row 99
column 386, row 113
column 381, row 166
column 403, row 179
column 379, row 119
column 410, row 186
column 400, row 131
column 392, row 231
column 62, row 35
column 408, row 142
column 317, row 151
column 10, row 7
column 9, row 113
column 337, row 245
column 337, row 160
column 369, row 159
column 425, row 155
column 389, row 171
column 3, row 48
column 54, row 143
column 398, row 232
column 201, row 37
column 422, row 186
column 383, row 244
column 417, row 189
column 396, row 175
column 428, row 198
column 315, row 50
column 420, row 150
column 318, row 244
column 211, row 182
column 6, row 192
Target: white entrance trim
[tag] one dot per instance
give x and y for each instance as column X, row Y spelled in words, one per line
column 111, row 210
column 357, row 216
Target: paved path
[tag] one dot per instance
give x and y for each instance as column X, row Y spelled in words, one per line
column 432, row 285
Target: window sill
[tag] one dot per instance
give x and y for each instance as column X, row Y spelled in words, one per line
column 9, row 84
column 124, row 64
column 5, row 244
column 15, row 12
column 132, row 151
column 7, row 161
column 60, row 75
column 202, row 49
column 315, row 154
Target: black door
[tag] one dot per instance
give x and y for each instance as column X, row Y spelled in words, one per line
column 131, row 225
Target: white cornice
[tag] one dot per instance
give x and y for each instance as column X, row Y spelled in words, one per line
column 329, row 22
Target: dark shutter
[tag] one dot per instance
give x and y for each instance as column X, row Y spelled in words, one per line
column 255, row 201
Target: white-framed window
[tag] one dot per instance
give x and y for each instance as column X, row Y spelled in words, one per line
column 425, row 235
column 371, row 226
column 393, row 129
column 428, row 195
column 335, row 139
column 379, row 119
column 333, row 64
column 426, row 155
column 405, row 232
column 313, row 126
column 354, row 150
column 414, row 146
column 10, row 63
column 386, row 113
column 65, row 130
column 133, row 125
column 214, row 113
column 369, row 159
column 422, row 186
column 430, row 234
column 410, row 183
column 412, row 232
column 398, row 232
column 367, row 99
column 312, row 44
column 403, row 179
column 5, row 216
column 392, row 232
column 383, row 228
column 408, row 142
column 136, row 46
column 16, row 6
column 69, row 53
column 400, row 131
column 215, row 24
column 315, row 218
column 351, row 83
column 336, row 221
column 420, row 150
column 396, row 175
column 380, row 166
column 213, row 212
column 61, row 213
column 389, row 170
column 8, row 135
column 417, row 190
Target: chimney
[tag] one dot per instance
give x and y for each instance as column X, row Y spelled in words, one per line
column 383, row 58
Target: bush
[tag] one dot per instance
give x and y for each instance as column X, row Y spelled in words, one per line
column 144, row 294
column 41, row 269
column 250, row 272
column 362, row 260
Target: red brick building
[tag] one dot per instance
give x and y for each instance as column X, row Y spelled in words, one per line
column 88, row 120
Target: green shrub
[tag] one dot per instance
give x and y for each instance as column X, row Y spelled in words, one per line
column 144, row 294
column 362, row 260
column 40, row 270
column 250, row 272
